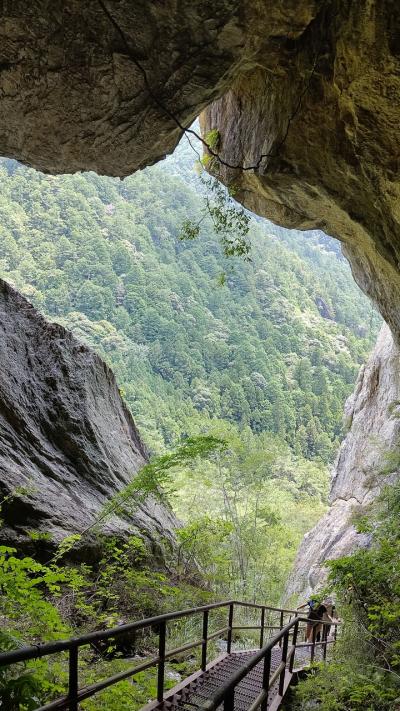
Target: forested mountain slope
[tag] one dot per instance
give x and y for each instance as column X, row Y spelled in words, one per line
column 261, row 353
column 276, row 347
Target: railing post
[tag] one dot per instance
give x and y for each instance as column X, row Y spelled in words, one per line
column 325, row 640
column 73, row 679
column 229, row 701
column 265, row 680
column 262, row 627
column 294, row 642
column 280, row 626
column 161, row 660
column 230, row 625
column 283, row 659
column 204, row 641
column 314, row 634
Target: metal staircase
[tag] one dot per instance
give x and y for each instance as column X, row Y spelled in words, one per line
column 236, row 680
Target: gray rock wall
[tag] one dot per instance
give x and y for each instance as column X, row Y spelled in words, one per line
column 317, row 117
column 305, row 95
column 65, row 434
column 374, row 430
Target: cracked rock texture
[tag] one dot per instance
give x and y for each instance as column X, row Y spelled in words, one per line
column 107, row 85
column 65, row 435
column 372, row 413
column 81, row 82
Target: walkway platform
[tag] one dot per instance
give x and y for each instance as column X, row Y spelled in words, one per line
column 193, row 693
column 237, row 680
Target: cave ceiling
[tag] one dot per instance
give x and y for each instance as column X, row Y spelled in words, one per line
column 305, row 95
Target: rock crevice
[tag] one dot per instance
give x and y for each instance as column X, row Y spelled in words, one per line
column 311, row 85
column 107, row 85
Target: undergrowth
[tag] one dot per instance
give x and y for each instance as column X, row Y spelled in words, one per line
column 364, row 674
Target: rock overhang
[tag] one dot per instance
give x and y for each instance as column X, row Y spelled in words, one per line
column 313, row 85
column 321, row 128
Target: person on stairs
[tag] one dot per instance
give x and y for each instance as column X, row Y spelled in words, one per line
column 319, row 613
column 312, row 607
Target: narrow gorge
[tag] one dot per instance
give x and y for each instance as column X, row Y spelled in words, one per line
column 359, row 473
column 189, row 194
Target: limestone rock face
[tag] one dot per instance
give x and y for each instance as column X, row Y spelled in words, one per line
column 108, row 85
column 93, row 85
column 315, row 124
column 66, row 436
column 305, row 94
column 372, row 415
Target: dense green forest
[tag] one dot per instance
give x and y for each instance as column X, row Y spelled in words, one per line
column 259, row 354
column 275, row 347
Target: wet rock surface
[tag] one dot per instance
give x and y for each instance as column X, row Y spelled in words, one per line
column 66, row 436
column 374, row 427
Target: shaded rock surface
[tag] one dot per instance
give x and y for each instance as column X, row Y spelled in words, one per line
column 318, row 119
column 372, row 415
column 107, row 85
column 305, row 91
column 66, row 436
column 92, row 85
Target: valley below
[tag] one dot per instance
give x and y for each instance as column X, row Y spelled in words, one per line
column 179, row 425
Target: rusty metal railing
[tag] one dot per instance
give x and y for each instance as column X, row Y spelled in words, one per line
column 76, row 694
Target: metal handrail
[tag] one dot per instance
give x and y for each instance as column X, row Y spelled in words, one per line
column 40, row 650
column 75, row 695
column 226, row 693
